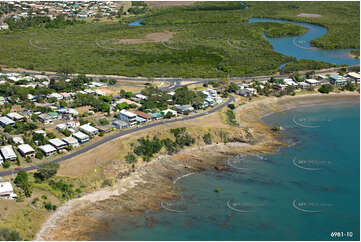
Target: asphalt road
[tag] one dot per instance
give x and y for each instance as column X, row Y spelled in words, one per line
column 174, row 83
column 117, row 135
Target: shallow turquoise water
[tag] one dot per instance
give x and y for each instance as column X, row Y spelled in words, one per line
column 303, row 192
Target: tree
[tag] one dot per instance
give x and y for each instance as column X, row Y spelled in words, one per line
column 168, row 115
column 22, row 181
column 6, row 164
column 39, row 155
column 47, row 170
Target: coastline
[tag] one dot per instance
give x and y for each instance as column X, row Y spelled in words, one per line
column 153, row 182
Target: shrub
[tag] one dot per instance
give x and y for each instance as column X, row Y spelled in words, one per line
column 6, row 164
column 47, row 170
column 325, row 88
column 130, row 158
column 9, row 235
column 207, row 138
column 231, row 106
column 39, row 155
column 276, row 128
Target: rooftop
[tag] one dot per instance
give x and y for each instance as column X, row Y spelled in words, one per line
column 127, row 113
column 26, row 148
column 57, row 142
column 47, row 148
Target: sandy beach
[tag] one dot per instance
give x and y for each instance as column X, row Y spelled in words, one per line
column 152, row 182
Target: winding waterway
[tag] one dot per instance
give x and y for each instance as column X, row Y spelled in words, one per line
column 299, row 46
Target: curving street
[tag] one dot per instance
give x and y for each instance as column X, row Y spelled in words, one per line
column 117, row 135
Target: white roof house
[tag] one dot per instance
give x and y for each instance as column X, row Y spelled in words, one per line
column 289, row 82
column 56, row 95
column 47, row 149
column 127, row 113
column 81, row 137
column 173, row 112
column 57, row 143
column 6, row 121
column 312, row 81
column 8, row 152
column 141, row 96
column 6, row 190
column 61, row 126
column 25, row 149
column 71, row 141
column 40, row 131
column 15, row 116
column 354, row 75
column 87, row 128
column 18, row 140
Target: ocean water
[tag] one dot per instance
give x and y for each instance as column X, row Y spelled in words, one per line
column 304, row 191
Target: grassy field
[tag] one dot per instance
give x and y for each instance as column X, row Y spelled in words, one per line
column 209, row 40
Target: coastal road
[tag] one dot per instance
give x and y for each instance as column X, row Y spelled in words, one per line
column 118, row 135
column 174, row 83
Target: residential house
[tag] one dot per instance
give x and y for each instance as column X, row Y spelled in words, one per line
column 354, row 76
column 61, row 127
column 7, row 191
column 157, row 116
column 18, row 140
column 338, row 80
column 26, row 150
column 173, row 112
column 73, row 124
column 55, row 95
column 71, row 141
column 4, row 121
column 45, row 118
column 81, row 137
column 312, row 82
column 47, row 149
column 304, row 85
column 15, row 116
column 184, row 109
column 143, row 115
column 141, row 96
column 140, row 119
column 40, row 131
column 290, row 82
column 128, row 117
column 88, row 129
column 8, row 153
column 58, row 144
column 120, row 124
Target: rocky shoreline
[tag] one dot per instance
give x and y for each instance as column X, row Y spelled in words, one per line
column 153, row 182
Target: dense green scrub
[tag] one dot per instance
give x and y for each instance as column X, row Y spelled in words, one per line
column 305, row 65
column 212, row 39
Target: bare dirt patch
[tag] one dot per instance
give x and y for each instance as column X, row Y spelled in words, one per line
column 152, row 37
column 309, row 15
